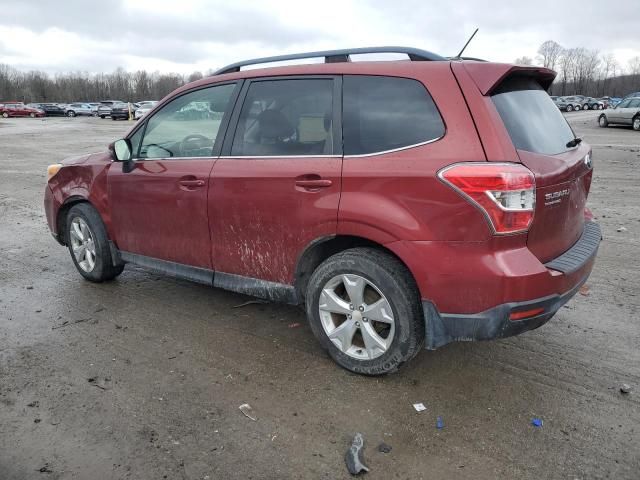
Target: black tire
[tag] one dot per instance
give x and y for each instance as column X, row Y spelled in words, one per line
column 113, row 118
column 569, row 108
column 635, row 123
column 5, row 115
column 32, row 115
column 102, row 116
column 71, row 113
column 396, row 284
column 103, row 269
column 602, row 121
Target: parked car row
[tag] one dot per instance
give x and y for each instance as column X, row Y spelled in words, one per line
column 115, row 109
column 578, row 102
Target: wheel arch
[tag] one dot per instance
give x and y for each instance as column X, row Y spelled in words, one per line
column 322, row 248
column 62, row 215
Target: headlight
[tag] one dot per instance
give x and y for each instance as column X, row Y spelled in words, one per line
column 52, row 170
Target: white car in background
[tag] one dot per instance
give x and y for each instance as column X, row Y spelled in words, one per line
column 144, row 108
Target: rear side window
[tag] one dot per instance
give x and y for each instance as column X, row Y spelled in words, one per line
column 533, row 121
column 285, row 118
column 387, row 113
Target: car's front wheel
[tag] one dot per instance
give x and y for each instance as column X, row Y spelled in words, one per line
column 603, row 122
column 569, row 108
column 89, row 245
column 71, row 113
column 636, row 123
column 364, row 308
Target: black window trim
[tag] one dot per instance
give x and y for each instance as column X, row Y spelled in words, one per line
column 406, row 147
column 222, row 130
column 336, row 120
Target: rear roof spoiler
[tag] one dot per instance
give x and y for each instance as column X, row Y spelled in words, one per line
column 488, row 76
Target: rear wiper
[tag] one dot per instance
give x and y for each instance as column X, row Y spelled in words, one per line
column 574, row 143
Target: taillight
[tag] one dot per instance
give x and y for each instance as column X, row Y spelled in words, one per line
column 504, row 192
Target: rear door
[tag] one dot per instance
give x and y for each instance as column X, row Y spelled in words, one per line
column 546, row 145
column 276, row 187
column 159, row 208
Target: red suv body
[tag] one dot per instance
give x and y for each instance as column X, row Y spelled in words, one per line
column 405, row 203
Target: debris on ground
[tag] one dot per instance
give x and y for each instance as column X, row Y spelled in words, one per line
column 294, row 325
column 93, row 381
column 622, row 229
column 384, row 448
column 251, row 302
column 536, row 422
column 585, row 290
column 45, row 469
column 248, row 411
column 625, row 388
column 34, row 404
column 66, row 323
column 419, row 407
column 439, row 423
column 354, row 458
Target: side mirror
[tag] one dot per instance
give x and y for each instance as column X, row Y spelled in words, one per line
column 122, row 150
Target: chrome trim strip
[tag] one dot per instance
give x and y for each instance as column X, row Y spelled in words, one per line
column 394, row 149
column 280, row 156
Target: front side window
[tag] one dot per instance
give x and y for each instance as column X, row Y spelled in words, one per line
column 187, row 126
column 286, row 117
column 387, row 113
column 624, row 104
column 634, row 103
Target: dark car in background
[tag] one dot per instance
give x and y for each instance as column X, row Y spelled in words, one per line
column 592, row 104
column 121, row 111
column 49, row 109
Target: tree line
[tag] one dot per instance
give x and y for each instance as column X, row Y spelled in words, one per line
column 580, row 71
column 37, row 86
column 586, row 72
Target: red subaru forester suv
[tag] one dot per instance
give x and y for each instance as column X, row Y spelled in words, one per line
column 405, row 204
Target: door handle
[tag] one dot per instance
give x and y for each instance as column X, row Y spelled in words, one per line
column 192, row 183
column 315, row 183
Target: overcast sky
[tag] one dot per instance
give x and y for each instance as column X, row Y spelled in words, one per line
column 187, row 35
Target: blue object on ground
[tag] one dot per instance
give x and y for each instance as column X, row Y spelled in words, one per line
column 536, row 422
column 439, row 423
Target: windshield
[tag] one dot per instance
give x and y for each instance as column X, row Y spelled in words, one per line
column 533, row 121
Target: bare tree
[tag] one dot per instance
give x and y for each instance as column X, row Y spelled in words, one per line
column 523, row 61
column 549, row 54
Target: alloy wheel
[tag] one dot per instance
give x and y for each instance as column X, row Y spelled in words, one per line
column 636, row 123
column 82, row 244
column 356, row 316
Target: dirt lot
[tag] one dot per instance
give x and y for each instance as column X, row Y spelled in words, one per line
column 145, row 379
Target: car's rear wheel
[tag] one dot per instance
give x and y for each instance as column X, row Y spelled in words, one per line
column 636, row 123
column 364, row 308
column 32, row 115
column 5, row 115
column 569, row 108
column 602, row 121
column 71, row 113
column 88, row 244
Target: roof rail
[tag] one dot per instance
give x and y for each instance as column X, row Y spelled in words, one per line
column 335, row 56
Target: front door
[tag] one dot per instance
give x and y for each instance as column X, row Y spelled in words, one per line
column 276, row 187
column 159, row 208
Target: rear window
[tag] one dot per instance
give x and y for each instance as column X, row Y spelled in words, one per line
column 533, row 121
column 387, row 113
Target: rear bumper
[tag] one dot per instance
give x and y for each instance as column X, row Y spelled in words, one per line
column 569, row 271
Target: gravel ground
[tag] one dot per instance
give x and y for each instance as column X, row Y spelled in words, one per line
column 142, row 377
